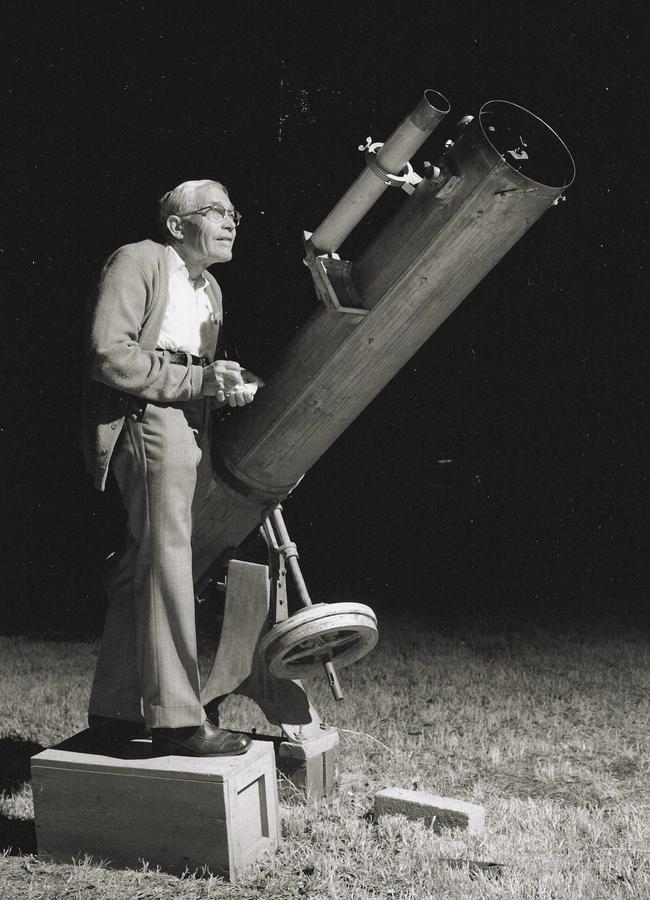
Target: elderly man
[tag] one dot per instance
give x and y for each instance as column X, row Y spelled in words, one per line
column 153, row 377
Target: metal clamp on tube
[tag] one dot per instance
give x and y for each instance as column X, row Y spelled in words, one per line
column 388, row 178
column 393, row 156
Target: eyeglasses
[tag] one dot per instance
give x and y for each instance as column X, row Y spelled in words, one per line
column 216, row 213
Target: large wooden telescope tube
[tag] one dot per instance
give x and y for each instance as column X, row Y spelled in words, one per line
column 506, row 168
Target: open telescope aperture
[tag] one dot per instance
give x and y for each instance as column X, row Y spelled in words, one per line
column 527, row 143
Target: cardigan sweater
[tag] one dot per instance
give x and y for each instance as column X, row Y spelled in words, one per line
column 126, row 315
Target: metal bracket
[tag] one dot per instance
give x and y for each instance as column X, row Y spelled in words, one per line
column 408, row 180
column 318, row 267
column 278, row 606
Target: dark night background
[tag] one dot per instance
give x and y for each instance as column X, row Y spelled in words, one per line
column 535, row 388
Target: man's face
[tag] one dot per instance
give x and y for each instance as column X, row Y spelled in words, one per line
column 205, row 240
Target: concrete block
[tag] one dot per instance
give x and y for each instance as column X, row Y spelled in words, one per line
column 442, row 812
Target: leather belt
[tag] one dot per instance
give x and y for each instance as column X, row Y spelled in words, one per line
column 179, row 357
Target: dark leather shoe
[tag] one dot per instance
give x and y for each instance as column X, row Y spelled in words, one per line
column 110, row 729
column 204, row 740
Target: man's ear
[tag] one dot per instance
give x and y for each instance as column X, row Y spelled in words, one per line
column 175, row 227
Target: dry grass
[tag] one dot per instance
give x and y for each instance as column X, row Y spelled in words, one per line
column 549, row 732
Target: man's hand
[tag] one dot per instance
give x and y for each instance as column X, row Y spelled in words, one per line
column 220, row 378
column 227, row 381
column 243, row 394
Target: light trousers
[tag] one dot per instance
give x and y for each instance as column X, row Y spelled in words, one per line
column 148, row 665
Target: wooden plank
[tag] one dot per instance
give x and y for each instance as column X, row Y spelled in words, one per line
column 312, row 765
column 188, row 768
column 238, row 668
column 255, row 823
column 177, row 824
column 245, row 619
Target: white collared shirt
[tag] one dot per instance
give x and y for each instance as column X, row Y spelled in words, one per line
column 189, row 323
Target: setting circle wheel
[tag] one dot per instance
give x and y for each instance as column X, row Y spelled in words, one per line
column 340, row 633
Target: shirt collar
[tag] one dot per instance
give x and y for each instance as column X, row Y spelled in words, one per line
column 176, row 264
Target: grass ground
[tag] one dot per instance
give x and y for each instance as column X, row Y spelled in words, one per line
column 548, row 731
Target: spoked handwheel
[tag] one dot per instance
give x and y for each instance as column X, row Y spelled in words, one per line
column 318, row 636
column 338, row 633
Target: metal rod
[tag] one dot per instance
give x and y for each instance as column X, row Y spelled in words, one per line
column 333, row 680
column 407, row 138
column 290, row 552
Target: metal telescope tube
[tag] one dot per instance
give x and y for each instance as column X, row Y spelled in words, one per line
column 392, row 157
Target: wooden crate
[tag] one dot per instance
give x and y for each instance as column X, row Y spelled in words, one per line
column 310, row 767
column 217, row 814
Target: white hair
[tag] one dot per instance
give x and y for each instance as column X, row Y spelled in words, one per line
column 180, row 199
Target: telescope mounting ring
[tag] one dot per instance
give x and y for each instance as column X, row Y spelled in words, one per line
column 340, row 633
column 407, row 177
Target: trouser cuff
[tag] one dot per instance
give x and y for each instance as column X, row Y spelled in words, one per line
column 174, row 716
column 123, row 713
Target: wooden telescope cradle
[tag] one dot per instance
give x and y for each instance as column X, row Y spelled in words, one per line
column 504, row 169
